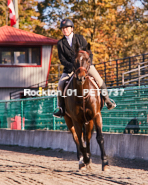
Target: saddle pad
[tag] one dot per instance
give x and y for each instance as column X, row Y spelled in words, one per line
column 68, row 82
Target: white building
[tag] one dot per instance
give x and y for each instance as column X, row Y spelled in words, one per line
column 25, row 59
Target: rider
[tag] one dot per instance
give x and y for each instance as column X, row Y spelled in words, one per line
column 66, row 54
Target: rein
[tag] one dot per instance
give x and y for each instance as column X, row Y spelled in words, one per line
column 84, row 98
column 84, row 112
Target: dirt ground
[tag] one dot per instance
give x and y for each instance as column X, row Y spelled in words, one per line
column 22, row 165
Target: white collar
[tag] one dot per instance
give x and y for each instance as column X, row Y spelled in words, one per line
column 69, row 37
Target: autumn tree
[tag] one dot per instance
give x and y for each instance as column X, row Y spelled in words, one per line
column 3, row 13
column 115, row 28
column 109, row 25
column 52, row 12
column 28, row 16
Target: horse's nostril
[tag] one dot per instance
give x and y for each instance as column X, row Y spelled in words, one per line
column 81, row 78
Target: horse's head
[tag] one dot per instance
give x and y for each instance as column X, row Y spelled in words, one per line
column 82, row 63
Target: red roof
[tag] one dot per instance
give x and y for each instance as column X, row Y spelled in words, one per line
column 13, row 36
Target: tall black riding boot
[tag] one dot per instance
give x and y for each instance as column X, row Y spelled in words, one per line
column 110, row 105
column 61, row 111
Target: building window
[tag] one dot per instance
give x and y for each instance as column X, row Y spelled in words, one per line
column 20, row 55
column 6, row 57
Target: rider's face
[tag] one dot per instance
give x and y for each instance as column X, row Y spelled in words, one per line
column 67, row 30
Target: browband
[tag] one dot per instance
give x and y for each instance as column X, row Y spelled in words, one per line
column 82, row 51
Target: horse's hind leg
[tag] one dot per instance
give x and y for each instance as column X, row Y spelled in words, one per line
column 75, row 138
column 100, row 140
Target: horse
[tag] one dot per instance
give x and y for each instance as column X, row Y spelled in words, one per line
column 82, row 112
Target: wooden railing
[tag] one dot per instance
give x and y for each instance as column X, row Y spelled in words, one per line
column 138, row 69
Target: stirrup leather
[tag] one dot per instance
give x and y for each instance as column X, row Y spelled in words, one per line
column 59, row 108
column 61, row 112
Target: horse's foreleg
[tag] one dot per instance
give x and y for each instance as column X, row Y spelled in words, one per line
column 89, row 129
column 79, row 131
column 70, row 126
column 100, row 140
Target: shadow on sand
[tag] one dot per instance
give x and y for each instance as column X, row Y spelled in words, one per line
column 71, row 156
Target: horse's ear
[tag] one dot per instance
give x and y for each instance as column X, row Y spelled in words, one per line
column 88, row 46
column 77, row 46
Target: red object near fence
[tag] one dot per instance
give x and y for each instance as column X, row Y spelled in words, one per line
column 16, row 124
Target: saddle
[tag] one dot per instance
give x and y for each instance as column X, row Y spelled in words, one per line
column 67, row 82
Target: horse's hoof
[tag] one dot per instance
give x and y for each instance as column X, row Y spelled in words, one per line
column 82, row 166
column 106, row 168
column 88, row 167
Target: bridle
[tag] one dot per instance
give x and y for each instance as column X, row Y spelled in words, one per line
column 81, row 67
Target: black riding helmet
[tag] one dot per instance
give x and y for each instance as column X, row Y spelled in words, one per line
column 66, row 23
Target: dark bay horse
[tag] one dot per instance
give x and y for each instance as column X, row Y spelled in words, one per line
column 84, row 111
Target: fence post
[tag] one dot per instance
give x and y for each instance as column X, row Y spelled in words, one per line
column 143, row 60
column 122, row 78
column 138, row 74
column 129, row 68
column 54, row 107
column 22, row 125
column 105, row 71
column 117, row 72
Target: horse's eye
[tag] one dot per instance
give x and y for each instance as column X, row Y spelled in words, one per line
column 88, row 59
